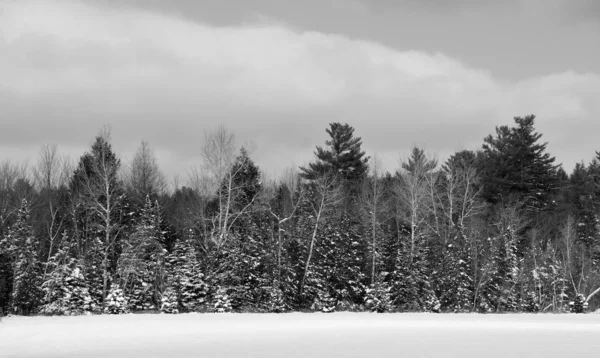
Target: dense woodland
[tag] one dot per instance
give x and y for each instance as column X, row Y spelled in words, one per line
column 502, row 228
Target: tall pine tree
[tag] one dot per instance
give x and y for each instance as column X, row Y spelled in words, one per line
column 344, row 157
column 517, row 167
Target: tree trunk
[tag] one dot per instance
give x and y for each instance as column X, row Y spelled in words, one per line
column 592, row 295
column 310, row 253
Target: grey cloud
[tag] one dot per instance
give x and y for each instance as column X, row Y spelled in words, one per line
column 278, row 88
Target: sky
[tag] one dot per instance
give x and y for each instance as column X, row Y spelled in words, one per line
column 432, row 73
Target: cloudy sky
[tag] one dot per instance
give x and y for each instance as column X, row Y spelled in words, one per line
column 434, row 73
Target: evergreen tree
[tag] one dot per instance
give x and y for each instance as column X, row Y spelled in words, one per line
column 169, row 301
column 186, row 278
column 343, row 158
column 99, row 213
column 517, row 165
column 324, row 301
column 221, row 301
column 585, row 197
column 277, row 302
column 22, row 247
column 245, row 177
column 411, row 287
column 65, row 290
column 116, row 302
column 453, row 281
column 378, row 296
column 142, row 262
column 341, row 261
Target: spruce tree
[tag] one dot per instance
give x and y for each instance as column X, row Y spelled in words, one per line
column 341, row 260
column 585, row 197
column 116, row 301
column 186, row 278
column 378, row 296
column 22, row 246
column 65, row 289
column 141, row 265
column 169, row 301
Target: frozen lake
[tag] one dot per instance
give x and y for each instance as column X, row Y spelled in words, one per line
column 302, row 335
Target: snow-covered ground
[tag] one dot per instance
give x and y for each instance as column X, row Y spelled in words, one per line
column 302, row 335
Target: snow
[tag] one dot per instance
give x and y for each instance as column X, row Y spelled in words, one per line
column 302, row 335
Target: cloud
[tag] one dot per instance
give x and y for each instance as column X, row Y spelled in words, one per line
column 67, row 68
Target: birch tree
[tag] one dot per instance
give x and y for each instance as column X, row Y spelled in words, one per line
column 413, row 193
column 100, row 195
column 224, row 173
column 51, row 173
column 324, row 195
column 372, row 208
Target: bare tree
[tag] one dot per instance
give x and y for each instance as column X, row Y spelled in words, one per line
column 284, row 214
column 10, row 201
column 143, row 176
column 413, row 194
column 50, row 173
column 291, row 178
column 326, row 195
column 220, row 175
column 102, row 195
column 47, row 170
column 372, row 207
column 455, row 197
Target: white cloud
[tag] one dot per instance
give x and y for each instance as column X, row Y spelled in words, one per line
column 78, row 63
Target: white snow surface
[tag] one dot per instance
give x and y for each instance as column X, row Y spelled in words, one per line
column 302, row 335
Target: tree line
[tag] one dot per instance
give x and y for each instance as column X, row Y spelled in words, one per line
column 498, row 229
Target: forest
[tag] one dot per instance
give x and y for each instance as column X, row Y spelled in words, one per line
column 501, row 228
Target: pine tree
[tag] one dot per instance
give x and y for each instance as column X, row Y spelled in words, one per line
column 343, row 158
column 517, row 166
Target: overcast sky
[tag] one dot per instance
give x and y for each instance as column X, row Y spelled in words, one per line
column 434, row 73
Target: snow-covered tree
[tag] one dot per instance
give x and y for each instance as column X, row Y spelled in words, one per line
column 116, row 302
column 411, row 287
column 186, row 277
column 65, row 289
column 22, row 247
column 324, row 301
column 378, row 297
column 141, row 266
column 169, row 301
column 221, row 301
column 98, row 200
column 277, row 302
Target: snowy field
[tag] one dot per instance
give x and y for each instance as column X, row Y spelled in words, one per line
column 302, row 335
